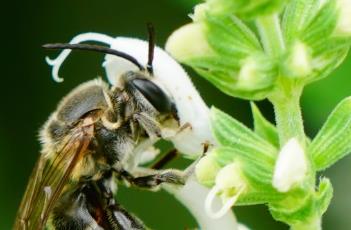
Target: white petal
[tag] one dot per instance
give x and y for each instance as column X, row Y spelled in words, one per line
column 291, row 166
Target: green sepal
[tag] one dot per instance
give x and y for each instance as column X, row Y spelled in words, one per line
column 229, row 36
column 302, row 206
column 333, row 61
column 296, row 16
column 333, row 141
column 318, row 31
column 236, row 64
column 227, row 83
column 323, row 196
column 264, row 128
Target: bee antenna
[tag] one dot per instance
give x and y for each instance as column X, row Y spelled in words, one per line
column 94, row 48
column 151, row 35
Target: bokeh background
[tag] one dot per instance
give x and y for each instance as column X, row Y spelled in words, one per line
column 28, row 95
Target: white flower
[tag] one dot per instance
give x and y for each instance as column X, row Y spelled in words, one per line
column 168, row 74
column 343, row 26
column 230, row 185
column 291, row 166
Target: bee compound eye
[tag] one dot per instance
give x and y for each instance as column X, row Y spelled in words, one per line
column 154, row 94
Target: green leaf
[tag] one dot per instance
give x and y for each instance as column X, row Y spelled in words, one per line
column 333, row 141
column 264, row 128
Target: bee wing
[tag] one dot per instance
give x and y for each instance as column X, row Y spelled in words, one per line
column 49, row 177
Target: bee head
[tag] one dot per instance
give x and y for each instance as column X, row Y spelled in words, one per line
column 140, row 83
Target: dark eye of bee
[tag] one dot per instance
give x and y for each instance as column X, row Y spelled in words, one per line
column 153, row 94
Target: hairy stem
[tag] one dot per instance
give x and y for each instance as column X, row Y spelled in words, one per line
column 314, row 224
column 288, row 116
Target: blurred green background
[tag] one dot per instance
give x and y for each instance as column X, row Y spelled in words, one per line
column 29, row 95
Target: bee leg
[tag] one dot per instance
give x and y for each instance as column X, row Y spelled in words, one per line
column 72, row 213
column 103, row 207
column 168, row 157
column 120, row 217
column 157, row 177
column 152, row 178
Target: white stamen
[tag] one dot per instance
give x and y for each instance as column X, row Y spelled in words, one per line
column 57, row 62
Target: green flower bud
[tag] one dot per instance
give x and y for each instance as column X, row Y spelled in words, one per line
column 206, row 170
column 188, row 42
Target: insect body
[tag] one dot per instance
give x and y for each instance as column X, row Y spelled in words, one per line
column 87, row 143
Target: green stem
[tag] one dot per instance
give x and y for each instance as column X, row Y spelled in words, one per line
column 288, row 115
column 315, row 224
column 271, row 34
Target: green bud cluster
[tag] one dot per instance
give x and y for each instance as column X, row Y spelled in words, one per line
column 248, row 49
column 270, row 49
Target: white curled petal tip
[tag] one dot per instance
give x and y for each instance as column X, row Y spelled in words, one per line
column 229, row 203
column 228, row 179
column 57, row 62
column 291, row 166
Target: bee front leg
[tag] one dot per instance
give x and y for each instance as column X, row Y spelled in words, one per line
column 151, row 179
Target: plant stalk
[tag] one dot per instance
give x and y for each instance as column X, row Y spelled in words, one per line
column 314, row 224
column 288, row 116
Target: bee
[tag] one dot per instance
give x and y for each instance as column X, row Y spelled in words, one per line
column 86, row 144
